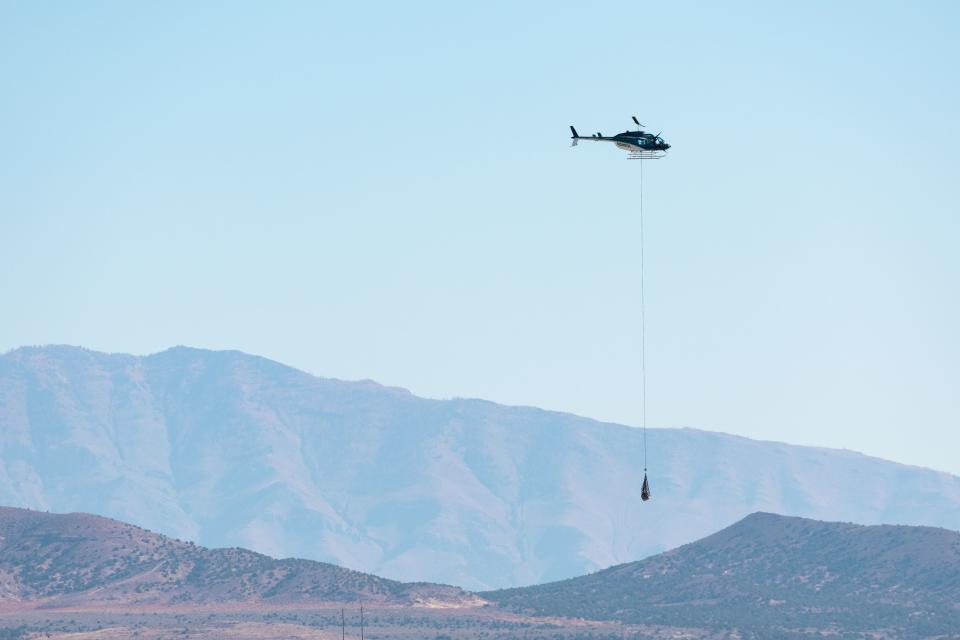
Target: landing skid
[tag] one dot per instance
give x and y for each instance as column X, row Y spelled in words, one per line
column 646, row 155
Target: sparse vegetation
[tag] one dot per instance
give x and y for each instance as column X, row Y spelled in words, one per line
column 766, row 577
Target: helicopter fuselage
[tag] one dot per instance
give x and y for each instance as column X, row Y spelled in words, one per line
column 639, row 144
column 632, row 141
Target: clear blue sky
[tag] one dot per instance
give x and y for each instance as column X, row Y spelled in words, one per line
column 386, row 191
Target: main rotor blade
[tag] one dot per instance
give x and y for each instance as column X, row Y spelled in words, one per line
column 637, row 122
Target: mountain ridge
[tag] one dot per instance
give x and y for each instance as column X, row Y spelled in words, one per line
column 766, row 576
column 83, row 560
column 228, row 449
column 773, row 575
column 370, row 382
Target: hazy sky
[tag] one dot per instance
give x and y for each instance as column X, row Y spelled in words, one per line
column 386, row 191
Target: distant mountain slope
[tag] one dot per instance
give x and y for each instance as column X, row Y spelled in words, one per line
column 775, row 575
column 84, row 560
column 228, row 449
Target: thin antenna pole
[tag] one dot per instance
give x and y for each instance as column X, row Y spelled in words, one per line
column 361, row 622
column 343, row 625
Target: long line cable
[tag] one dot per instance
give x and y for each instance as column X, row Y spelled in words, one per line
column 643, row 333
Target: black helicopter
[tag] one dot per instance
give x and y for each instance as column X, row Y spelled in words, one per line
column 639, row 144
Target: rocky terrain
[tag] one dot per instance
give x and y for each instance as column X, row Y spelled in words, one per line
column 776, row 577
column 84, row 577
column 82, row 561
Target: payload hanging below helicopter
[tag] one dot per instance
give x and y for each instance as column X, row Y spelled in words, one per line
column 639, row 144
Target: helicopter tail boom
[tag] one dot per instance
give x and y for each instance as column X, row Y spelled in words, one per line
column 576, row 136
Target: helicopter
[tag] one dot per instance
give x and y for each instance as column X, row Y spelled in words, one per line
column 639, row 144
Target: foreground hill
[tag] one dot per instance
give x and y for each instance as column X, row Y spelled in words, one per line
column 83, row 577
column 228, row 449
column 78, row 559
column 775, row 576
